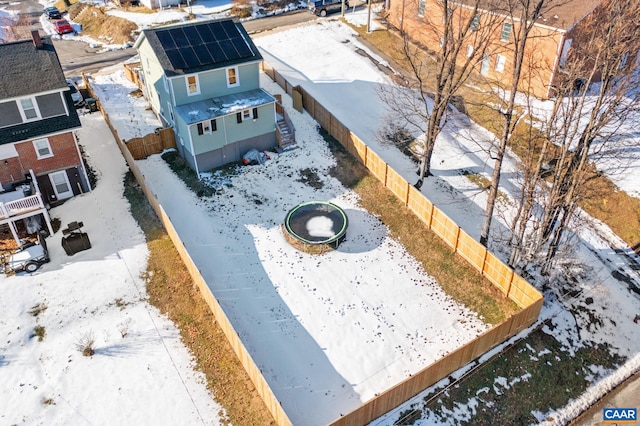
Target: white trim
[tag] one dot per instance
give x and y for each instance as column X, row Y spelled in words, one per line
column 237, row 76
column 40, row 156
column 35, row 108
column 501, row 61
column 63, row 195
column 197, row 84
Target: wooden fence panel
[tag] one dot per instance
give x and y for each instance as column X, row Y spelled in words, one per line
column 322, row 116
column 444, row 227
column 377, row 166
column 398, row 185
column 498, row 273
column 471, row 250
column 359, row 150
column 420, row 206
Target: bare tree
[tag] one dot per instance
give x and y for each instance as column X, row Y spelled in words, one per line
column 422, row 101
column 525, row 13
column 584, row 121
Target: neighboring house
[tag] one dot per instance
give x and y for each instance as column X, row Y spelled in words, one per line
column 40, row 161
column 550, row 44
column 202, row 79
column 154, row 4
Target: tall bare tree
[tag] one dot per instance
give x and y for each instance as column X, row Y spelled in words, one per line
column 421, row 102
column 524, row 13
column 585, row 121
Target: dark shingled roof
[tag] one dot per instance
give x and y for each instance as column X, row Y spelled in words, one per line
column 26, row 70
column 201, row 45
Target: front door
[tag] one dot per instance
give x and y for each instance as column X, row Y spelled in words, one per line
column 61, row 186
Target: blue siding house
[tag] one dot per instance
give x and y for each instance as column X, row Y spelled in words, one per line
column 202, row 79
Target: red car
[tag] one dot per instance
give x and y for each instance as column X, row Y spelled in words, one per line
column 62, row 26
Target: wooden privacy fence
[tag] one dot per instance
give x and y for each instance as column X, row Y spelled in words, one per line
column 491, row 267
column 153, row 143
column 512, row 285
column 247, row 362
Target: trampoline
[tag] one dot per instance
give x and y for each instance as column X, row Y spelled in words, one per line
column 317, row 223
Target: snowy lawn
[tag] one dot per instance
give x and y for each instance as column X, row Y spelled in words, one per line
column 140, row 364
column 256, row 276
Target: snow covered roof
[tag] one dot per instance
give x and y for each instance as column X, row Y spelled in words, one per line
column 208, row 109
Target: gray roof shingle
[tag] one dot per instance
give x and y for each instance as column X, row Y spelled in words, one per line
column 26, row 70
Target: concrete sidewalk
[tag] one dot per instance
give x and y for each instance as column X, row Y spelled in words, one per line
column 627, row 395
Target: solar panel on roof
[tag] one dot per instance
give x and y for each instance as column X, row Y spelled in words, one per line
column 204, row 44
column 192, row 35
column 166, row 40
column 190, row 57
column 229, row 49
column 230, row 28
column 216, row 52
column 218, row 32
column 203, row 55
column 179, row 37
column 243, row 50
column 205, row 33
column 175, row 58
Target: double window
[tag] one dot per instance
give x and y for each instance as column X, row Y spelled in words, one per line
column 247, row 114
column 207, row 127
column 29, row 109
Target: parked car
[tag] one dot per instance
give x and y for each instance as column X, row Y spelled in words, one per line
column 76, row 96
column 324, row 7
column 62, row 26
column 52, row 12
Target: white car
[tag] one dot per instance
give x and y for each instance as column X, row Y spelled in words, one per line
column 76, row 96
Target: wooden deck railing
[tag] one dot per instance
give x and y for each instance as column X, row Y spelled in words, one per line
column 22, row 205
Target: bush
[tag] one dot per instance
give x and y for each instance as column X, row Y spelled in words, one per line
column 85, row 344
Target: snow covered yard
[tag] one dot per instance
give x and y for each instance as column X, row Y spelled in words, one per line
column 328, row 331
column 141, row 373
column 598, row 291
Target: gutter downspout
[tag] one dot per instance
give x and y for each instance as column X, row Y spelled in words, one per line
column 193, row 152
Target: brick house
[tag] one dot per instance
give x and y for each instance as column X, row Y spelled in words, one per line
column 554, row 37
column 40, row 161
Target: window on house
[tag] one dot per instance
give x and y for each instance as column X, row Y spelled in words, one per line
column 470, row 51
column 206, row 127
column 421, row 6
column 475, row 23
column 246, row 114
column 43, row 148
column 506, row 31
column 232, row 77
column 500, row 61
column 192, row 85
column 485, row 64
column 28, row 109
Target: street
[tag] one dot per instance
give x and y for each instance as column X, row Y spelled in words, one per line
column 78, row 57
